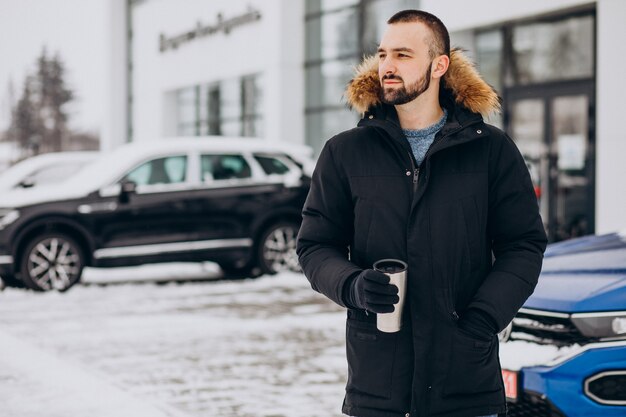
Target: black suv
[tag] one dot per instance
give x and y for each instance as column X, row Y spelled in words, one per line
column 233, row 201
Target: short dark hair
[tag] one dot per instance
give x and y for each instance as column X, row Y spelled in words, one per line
column 440, row 42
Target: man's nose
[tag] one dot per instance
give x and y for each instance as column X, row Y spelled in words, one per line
column 387, row 67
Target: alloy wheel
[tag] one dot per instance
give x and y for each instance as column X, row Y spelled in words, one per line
column 52, row 263
column 279, row 249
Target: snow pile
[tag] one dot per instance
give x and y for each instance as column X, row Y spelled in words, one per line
column 515, row 355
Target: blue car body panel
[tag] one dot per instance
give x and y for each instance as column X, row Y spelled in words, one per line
column 582, row 275
column 563, row 384
column 582, row 292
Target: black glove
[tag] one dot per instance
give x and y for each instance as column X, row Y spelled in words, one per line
column 370, row 290
column 478, row 323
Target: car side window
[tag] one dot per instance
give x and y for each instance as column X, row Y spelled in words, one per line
column 168, row 170
column 224, row 167
column 272, row 165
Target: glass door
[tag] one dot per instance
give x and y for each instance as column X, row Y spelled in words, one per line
column 553, row 134
column 571, row 171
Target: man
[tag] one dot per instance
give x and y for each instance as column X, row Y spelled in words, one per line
column 423, row 179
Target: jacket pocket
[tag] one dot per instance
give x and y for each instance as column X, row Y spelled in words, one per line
column 473, row 365
column 371, row 356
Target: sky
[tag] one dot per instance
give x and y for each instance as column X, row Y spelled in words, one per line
column 76, row 29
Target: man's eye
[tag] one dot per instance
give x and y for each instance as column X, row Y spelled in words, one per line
column 381, row 56
column 403, row 56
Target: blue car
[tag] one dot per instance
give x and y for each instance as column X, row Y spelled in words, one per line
column 564, row 354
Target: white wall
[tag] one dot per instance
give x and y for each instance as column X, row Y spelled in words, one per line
column 265, row 46
column 114, row 126
column 286, row 76
column 610, row 131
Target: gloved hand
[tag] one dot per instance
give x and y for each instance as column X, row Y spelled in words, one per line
column 370, row 290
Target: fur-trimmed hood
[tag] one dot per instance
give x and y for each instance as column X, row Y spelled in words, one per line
column 462, row 80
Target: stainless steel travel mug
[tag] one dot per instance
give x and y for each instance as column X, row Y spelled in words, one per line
column 396, row 270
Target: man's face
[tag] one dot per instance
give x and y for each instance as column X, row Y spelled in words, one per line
column 404, row 66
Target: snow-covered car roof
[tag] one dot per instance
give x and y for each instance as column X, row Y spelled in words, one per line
column 108, row 167
column 30, row 166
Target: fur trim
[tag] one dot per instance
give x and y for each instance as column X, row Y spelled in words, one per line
column 462, row 79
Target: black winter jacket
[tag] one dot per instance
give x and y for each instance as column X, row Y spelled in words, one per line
column 471, row 197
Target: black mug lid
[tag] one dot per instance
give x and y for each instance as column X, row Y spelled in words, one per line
column 390, row 266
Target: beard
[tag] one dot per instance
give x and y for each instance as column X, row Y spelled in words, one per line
column 404, row 94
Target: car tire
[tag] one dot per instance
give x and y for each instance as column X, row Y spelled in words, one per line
column 52, row 261
column 276, row 248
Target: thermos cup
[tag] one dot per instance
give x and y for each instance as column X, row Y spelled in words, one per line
column 396, row 271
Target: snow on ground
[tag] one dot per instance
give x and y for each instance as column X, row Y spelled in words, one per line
column 34, row 381
column 265, row 347
column 174, row 271
column 269, row 347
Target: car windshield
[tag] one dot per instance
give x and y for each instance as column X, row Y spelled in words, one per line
column 55, row 173
column 45, row 169
column 104, row 170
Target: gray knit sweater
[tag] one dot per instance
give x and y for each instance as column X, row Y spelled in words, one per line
column 421, row 139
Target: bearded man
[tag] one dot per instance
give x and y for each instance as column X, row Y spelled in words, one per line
column 423, row 179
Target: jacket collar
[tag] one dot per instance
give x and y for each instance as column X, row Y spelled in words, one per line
column 385, row 117
column 462, row 87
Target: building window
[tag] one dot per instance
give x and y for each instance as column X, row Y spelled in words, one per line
column 375, row 14
column 561, row 50
column 186, row 111
column 213, row 110
column 251, row 106
column 338, row 34
column 537, row 52
column 489, row 47
column 332, row 35
column 544, row 70
column 229, row 108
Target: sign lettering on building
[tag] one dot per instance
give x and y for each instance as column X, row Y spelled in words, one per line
column 222, row 25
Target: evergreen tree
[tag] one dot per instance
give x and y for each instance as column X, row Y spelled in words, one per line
column 25, row 127
column 39, row 121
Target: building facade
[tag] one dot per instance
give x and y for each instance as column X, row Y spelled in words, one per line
column 277, row 69
column 228, row 68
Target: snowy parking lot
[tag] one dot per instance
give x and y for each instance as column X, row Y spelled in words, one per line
column 172, row 340
column 264, row 347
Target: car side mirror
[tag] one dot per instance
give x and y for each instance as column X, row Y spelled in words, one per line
column 27, row 182
column 128, row 187
column 121, row 189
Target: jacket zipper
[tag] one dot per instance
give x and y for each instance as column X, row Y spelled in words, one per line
column 416, row 170
column 416, row 173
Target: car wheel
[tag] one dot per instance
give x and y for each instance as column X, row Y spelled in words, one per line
column 52, row 261
column 277, row 248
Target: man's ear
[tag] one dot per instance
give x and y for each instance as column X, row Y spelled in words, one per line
column 440, row 66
